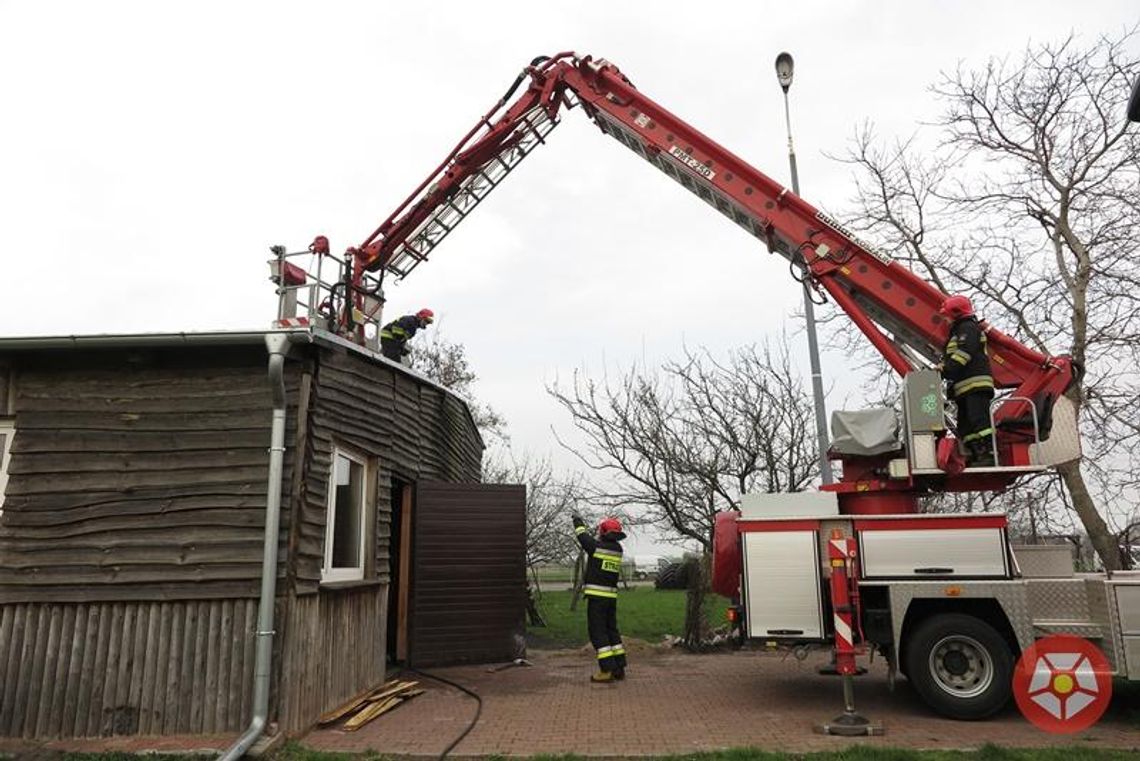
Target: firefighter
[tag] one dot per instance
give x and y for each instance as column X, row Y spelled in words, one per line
column 969, row 379
column 395, row 335
column 600, row 589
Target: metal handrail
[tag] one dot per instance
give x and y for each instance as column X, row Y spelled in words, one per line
column 1036, row 429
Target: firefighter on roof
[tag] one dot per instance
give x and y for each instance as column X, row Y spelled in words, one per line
column 969, row 379
column 600, row 589
column 395, row 335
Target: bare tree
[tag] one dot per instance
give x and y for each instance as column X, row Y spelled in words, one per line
column 681, row 443
column 551, row 500
column 1027, row 200
column 446, row 363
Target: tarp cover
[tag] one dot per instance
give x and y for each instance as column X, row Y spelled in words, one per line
column 865, row 432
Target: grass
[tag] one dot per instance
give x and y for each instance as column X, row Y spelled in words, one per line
column 643, row 613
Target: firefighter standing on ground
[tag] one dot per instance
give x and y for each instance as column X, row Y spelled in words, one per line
column 969, row 379
column 600, row 589
column 395, row 335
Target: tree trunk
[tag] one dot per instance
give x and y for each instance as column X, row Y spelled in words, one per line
column 1102, row 539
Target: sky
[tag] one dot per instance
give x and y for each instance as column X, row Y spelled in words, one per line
column 150, row 153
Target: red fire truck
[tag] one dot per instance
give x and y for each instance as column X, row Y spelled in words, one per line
column 855, row 567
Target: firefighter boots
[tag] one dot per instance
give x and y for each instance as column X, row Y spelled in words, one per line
column 602, row 677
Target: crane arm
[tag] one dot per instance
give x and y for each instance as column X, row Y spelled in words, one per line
column 896, row 310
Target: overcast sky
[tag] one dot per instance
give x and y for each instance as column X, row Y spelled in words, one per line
column 152, row 151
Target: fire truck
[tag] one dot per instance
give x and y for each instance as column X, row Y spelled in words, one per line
column 855, row 567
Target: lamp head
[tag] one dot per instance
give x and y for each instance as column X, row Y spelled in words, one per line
column 785, row 67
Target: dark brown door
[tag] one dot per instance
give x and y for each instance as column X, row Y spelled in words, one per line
column 468, row 573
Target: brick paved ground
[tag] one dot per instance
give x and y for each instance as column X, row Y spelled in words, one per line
column 676, row 703
column 671, row 703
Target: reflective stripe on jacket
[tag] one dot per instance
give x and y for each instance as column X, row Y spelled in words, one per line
column 603, row 569
column 964, row 361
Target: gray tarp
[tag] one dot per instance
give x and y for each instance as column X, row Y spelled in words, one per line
column 865, row 432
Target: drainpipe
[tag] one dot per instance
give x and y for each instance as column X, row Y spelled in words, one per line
column 277, row 344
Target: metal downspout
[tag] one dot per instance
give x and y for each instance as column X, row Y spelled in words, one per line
column 277, row 344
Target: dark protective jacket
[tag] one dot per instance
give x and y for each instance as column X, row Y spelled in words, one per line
column 964, row 361
column 401, row 330
column 603, row 569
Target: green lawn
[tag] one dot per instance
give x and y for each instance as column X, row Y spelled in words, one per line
column 643, row 613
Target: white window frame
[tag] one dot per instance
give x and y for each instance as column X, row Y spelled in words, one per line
column 328, row 573
column 8, row 429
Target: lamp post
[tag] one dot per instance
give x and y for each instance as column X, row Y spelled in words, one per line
column 785, row 66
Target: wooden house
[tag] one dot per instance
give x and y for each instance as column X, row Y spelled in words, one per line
column 133, row 482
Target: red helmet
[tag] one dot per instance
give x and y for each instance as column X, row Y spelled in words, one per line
column 610, row 526
column 956, row 306
column 426, row 315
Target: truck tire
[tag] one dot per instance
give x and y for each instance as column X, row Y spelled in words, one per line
column 960, row 665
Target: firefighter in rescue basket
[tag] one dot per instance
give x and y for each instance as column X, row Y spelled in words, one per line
column 601, row 590
column 969, row 380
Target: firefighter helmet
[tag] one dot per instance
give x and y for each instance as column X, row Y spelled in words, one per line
column 956, row 306
column 610, row 526
column 426, row 315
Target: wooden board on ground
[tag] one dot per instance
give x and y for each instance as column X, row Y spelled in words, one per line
column 377, row 709
column 356, row 702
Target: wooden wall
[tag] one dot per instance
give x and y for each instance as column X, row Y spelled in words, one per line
column 131, row 538
column 469, row 572
column 138, row 475
column 333, row 648
column 415, row 431
column 126, row 668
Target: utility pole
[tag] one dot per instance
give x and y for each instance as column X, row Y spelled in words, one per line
column 784, row 69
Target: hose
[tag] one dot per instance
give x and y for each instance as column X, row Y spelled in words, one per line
column 461, row 688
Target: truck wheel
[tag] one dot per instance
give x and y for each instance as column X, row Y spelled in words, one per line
column 960, row 666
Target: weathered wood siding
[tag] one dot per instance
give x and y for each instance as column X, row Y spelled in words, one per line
column 469, row 573
column 138, row 475
column 126, row 668
column 333, row 649
column 415, row 431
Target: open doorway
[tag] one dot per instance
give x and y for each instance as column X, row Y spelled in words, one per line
column 400, row 565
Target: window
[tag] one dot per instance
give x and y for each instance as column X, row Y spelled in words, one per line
column 7, row 433
column 346, row 528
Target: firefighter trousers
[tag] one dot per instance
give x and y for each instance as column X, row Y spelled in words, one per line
column 974, row 429
column 601, row 622
column 392, row 348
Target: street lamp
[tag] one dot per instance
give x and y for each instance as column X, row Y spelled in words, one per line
column 785, row 67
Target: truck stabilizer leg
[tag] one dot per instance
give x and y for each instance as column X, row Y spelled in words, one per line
column 841, row 553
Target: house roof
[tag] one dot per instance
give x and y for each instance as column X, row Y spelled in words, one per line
column 307, row 335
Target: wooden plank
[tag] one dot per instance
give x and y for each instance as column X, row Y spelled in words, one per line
column 226, row 645
column 249, row 643
column 405, row 578
column 186, row 693
column 50, row 721
column 157, row 653
column 172, row 696
column 94, row 694
column 15, row 617
column 80, row 710
column 142, row 671
column 38, row 667
column 198, row 685
column 23, row 681
column 121, row 676
column 213, row 644
column 377, row 709
column 66, row 711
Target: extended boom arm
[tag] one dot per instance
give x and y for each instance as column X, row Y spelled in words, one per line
column 895, row 309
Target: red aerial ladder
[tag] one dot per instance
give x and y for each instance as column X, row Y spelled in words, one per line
column 895, row 309
column 945, row 598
